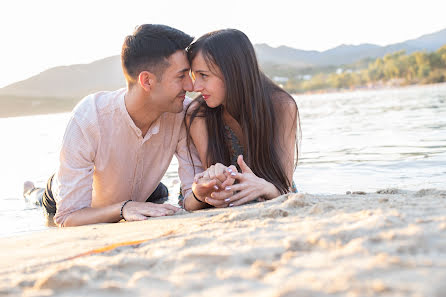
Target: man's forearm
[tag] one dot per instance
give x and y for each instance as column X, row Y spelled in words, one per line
column 91, row 215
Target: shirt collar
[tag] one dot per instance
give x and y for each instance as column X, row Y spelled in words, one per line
column 153, row 130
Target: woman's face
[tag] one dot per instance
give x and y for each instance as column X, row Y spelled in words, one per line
column 209, row 83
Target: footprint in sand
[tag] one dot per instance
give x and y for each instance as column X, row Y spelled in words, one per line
column 274, row 213
column 72, row 277
column 391, row 191
column 430, row 192
column 297, row 245
column 295, row 201
column 321, row 208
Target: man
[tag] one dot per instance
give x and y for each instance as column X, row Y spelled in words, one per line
column 118, row 145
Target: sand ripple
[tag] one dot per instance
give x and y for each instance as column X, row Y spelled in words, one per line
column 389, row 243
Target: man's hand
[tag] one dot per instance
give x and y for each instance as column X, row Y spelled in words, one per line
column 216, row 178
column 139, row 211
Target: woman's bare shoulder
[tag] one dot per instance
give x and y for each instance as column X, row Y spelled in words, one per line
column 283, row 102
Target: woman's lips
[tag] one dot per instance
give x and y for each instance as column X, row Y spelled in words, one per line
column 205, row 97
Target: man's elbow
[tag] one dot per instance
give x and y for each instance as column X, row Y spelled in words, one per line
column 69, row 220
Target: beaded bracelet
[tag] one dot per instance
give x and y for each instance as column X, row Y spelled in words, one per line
column 122, row 208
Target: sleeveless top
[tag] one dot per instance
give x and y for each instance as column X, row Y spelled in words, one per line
column 235, row 149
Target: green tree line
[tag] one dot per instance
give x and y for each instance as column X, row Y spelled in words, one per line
column 396, row 68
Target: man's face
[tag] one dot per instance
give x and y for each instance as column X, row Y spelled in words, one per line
column 168, row 94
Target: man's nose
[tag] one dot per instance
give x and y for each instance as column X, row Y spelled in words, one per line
column 188, row 85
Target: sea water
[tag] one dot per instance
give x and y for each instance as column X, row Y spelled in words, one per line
column 352, row 141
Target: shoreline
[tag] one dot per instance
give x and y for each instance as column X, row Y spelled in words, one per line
column 66, row 105
column 367, row 89
column 389, row 243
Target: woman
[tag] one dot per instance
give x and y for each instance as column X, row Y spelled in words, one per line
column 241, row 119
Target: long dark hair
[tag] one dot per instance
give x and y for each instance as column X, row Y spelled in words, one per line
column 249, row 100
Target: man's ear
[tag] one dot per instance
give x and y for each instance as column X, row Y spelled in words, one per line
column 147, row 80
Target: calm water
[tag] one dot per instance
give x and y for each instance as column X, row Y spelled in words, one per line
column 365, row 140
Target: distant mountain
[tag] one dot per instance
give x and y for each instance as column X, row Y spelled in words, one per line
column 346, row 54
column 71, row 81
column 76, row 81
column 429, row 42
column 285, row 55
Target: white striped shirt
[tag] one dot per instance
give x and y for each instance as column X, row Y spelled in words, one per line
column 105, row 160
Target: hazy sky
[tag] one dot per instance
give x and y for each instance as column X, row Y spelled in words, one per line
column 37, row 35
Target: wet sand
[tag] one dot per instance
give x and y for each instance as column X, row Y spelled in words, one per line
column 391, row 243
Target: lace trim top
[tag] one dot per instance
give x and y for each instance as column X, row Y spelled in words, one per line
column 236, row 149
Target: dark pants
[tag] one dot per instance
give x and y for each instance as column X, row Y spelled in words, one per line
column 160, row 195
column 48, row 202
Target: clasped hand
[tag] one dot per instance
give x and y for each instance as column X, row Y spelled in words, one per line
column 216, row 186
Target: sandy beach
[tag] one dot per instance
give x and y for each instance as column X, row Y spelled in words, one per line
column 390, row 243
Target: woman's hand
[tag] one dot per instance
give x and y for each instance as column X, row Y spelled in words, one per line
column 216, row 178
column 249, row 188
column 218, row 172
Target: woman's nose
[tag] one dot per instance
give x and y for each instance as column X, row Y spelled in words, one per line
column 198, row 86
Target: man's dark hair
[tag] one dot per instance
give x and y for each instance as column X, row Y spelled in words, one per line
column 148, row 49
